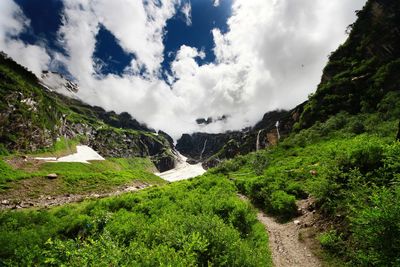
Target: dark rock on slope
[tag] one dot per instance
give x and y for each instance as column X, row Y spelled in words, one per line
column 212, row 148
column 200, row 146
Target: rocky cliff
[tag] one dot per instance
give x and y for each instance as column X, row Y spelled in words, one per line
column 212, row 148
column 34, row 117
column 360, row 76
column 364, row 69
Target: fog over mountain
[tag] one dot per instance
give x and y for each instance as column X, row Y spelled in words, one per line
column 269, row 56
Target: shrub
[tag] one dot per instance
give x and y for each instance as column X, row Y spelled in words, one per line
column 376, row 230
column 283, row 204
column 332, row 241
column 364, row 153
column 260, row 162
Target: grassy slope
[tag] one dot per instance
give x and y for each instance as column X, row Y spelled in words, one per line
column 197, row 222
column 350, row 164
column 33, row 119
column 79, row 177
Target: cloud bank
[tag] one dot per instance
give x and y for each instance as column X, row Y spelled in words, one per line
column 12, row 23
column 271, row 57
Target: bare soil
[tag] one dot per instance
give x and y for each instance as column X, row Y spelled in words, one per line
column 292, row 243
column 24, row 196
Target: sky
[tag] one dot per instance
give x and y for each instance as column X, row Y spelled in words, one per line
column 170, row 62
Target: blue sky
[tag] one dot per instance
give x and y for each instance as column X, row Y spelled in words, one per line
column 170, row 62
column 46, row 19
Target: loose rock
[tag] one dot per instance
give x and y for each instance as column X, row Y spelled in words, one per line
column 52, row 176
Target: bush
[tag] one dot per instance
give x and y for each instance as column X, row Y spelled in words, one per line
column 3, row 150
column 260, row 162
column 357, row 127
column 332, row 241
column 283, row 204
column 364, row 153
column 376, row 230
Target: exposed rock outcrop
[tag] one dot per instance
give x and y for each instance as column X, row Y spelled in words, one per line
column 212, row 148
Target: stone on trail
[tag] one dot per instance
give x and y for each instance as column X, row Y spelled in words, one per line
column 52, row 176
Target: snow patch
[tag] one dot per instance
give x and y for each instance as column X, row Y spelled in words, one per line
column 54, row 81
column 182, row 171
column 83, row 155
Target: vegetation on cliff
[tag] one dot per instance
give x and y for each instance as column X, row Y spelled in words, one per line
column 32, row 119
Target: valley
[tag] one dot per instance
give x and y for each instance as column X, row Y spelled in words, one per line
column 316, row 185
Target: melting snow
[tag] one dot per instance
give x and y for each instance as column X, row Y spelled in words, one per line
column 182, row 171
column 83, row 154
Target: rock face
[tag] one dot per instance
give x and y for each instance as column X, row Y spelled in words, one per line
column 212, row 148
column 33, row 117
column 200, row 146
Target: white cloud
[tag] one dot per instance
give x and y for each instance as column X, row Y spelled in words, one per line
column 216, row 2
column 271, row 57
column 12, row 23
column 187, row 12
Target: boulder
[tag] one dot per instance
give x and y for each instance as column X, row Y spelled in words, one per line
column 52, row 176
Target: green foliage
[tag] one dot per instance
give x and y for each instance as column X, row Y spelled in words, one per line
column 228, row 166
column 353, row 177
column 259, row 164
column 3, row 150
column 332, row 241
column 283, row 204
column 192, row 223
column 376, row 229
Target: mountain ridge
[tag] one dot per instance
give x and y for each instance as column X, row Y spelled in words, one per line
column 33, row 118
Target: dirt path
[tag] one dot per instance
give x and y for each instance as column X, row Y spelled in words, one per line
column 51, row 201
column 285, row 243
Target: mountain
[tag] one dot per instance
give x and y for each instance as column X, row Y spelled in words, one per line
column 35, row 113
column 213, row 148
column 321, row 189
column 363, row 70
column 362, row 75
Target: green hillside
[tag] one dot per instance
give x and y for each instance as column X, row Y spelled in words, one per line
column 340, row 156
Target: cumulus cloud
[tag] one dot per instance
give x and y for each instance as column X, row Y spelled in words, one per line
column 12, row 23
column 271, row 57
column 216, row 2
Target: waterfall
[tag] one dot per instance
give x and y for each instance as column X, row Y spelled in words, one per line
column 258, row 140
column 277, row 130
column 204, row 148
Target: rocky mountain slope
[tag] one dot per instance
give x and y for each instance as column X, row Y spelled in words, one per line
column 212, row 148
column 360, row 74
column 33, row 117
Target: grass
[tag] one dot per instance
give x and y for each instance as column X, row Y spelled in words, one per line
column 79, row 177
column 190, row 223
column 61, row 147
